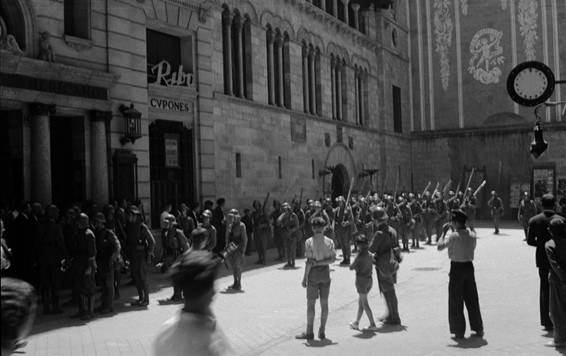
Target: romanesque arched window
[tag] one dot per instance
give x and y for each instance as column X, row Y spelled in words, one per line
column 339, row 88
column 237, row 52
column 361, row 95
column 278, row 68
column 312, row 87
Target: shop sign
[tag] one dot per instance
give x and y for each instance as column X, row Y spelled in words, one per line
column 171, row 151
column 170, row 104
column 162, row 71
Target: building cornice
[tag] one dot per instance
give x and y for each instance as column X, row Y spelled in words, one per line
column 342, row 28
column 13, row 64
column 486, row 130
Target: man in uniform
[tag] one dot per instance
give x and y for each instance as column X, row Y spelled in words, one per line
column 84, row 267
column 139, row 249
column 236, row 236
column 277, row 232
column 417, row 211
column 428, row 216
column 107, row 250
column 405, row 222
column 288, row 222
column 441, row 214
column 496, row 207
column 343, row 228
column 174, row 244
column 527, row 209
column 219, row 222
column 206, row 218
column 469, row 208
column 262, row 229
column 51, row 249
column 300, row 233
column 384, row 240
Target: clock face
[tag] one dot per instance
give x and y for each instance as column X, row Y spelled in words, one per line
column 530, row 83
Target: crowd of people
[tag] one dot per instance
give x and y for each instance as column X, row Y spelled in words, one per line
column 86, row 247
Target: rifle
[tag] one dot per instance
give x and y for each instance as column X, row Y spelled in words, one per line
column 469, row 182
column 426, row 188
column 436, row 188
column 479, row 188
column 350, row 192
column 396, row 183
column 265, row 204
column 446, row 187
column 301, row 197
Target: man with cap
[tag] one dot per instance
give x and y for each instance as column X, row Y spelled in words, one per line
column 556, row 253
column 277, row 232
column 496, row 208
column 236, row 239
column 538, row 236
column 288, row 222
column 174, row 243
column 527, row 209
column 462, row 287
column 206, row 224
column 382, row 245
column 107, row 251
column 139, row 249
column 343, row 228
column 405, row 223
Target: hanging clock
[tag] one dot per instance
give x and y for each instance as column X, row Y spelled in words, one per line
column 530, row 83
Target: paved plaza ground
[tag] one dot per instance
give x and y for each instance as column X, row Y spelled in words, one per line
column 264, row 318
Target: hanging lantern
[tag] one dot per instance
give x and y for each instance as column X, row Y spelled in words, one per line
column 132, row 124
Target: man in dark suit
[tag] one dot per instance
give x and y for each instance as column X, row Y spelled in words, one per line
column 219, row 222
column 538, row 236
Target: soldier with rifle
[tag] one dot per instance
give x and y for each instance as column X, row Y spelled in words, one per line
column 262, row 228
column 288, row 222
column 496, row 208
column 344, row 221
column 429, row 215
column 417, row 211
column 405, row 223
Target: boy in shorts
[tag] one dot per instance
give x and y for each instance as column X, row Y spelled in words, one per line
column 320, row 253
column 363, row 265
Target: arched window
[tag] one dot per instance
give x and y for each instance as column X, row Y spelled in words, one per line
column 312, row 85
column 339, row 88
column 360, row 82
column 278, row 68
column 237, row 51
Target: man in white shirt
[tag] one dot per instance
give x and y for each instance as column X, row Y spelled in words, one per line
column 193, row 331
column 462, row 287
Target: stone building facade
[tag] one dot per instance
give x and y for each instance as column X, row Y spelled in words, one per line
column 188, row 100
column 461, row 113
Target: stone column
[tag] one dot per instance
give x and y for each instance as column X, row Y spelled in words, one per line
column 312, row 81
column 335, row 8
column 365, row 27
column 362, row 99
column 339, row 70
column 323, row 4
column 228, row 60
column 99, row 156
column 356, row 8
column 40, row 152
column 306, row 78
column 279, row 43
column 357, row 96
column 240, row 54
column 333, row 85
column 270, row 67
column 346, row 11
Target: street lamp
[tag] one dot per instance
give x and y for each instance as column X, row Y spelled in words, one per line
column 132, row 124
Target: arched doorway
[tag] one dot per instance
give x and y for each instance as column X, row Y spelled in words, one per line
column 340, row 182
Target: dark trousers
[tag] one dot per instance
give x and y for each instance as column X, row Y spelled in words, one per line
column 462, row 290
column 544, row 297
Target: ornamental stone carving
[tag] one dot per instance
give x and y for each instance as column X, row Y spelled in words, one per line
column 8, row 41
column 45, row 49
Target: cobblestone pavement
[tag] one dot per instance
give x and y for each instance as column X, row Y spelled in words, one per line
column 264, row 318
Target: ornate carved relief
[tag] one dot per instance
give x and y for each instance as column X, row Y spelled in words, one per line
column 277, row 22
column 486, row 49
column 45, row 49
column 443, row 30
column 8, row 41
column 305, row 35
column 464, row 6
column 78, row 44
column 360, row 62
column 527, row 18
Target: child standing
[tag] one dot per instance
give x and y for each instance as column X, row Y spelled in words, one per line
column 363, row 265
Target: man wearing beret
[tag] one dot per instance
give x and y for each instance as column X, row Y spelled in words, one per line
column 462, row 287
column 538, row 236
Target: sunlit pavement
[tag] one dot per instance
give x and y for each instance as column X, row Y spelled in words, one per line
column 271, row 310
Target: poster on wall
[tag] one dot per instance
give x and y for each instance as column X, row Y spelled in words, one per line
column 516, row 190
column 171, row 151
column 543, row 181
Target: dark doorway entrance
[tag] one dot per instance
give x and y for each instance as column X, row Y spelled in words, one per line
column 340, row 181
column 67, row 160
column 11, row 156
column 171, row 166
